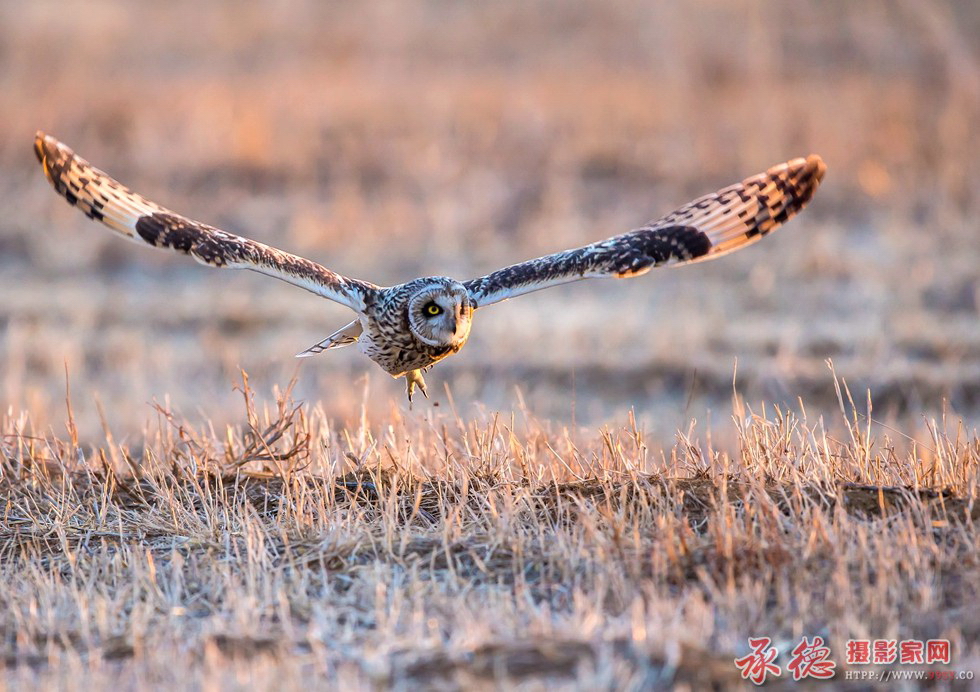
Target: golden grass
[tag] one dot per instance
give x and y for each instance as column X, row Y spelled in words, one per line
column 435, row 550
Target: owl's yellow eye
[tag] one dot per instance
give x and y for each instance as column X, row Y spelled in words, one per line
column 432, row 309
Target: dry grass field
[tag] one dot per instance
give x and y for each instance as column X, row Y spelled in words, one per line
column 615, row 484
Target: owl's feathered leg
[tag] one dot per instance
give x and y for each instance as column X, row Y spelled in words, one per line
column 414, row 378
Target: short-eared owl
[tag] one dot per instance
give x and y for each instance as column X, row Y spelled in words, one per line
column 407, row 328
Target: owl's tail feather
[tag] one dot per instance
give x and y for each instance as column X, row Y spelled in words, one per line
column 345, row 336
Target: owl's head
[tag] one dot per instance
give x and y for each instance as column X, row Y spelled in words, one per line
column 440, row 312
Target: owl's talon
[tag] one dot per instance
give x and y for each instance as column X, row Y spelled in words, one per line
column 414, row 378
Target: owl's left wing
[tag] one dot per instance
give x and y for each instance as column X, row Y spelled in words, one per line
column 145, row 222
column 708, row 227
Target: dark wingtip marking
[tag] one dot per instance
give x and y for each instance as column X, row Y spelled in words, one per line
column 704, row 244
column 817, row 165
column 659, row 246
column 39, row 146
column 176, row 233
column 148, row 229
column 44, row 156
column 810, row 178
column 47, row 149
column 691, row 241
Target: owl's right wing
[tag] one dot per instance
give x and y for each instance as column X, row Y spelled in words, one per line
column 142, row 221
column 708, row 227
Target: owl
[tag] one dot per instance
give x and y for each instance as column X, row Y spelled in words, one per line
column 408, row 328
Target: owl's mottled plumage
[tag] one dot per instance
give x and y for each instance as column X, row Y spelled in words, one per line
column 407, row 328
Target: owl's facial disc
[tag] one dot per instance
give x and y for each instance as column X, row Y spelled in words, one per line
column 441, row 315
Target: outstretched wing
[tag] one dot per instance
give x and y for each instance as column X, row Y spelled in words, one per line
column 142, row 221
column 708, row 227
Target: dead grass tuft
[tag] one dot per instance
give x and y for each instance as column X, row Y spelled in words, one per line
column 443, row 551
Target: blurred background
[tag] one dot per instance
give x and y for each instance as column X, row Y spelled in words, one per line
column 388, row 140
